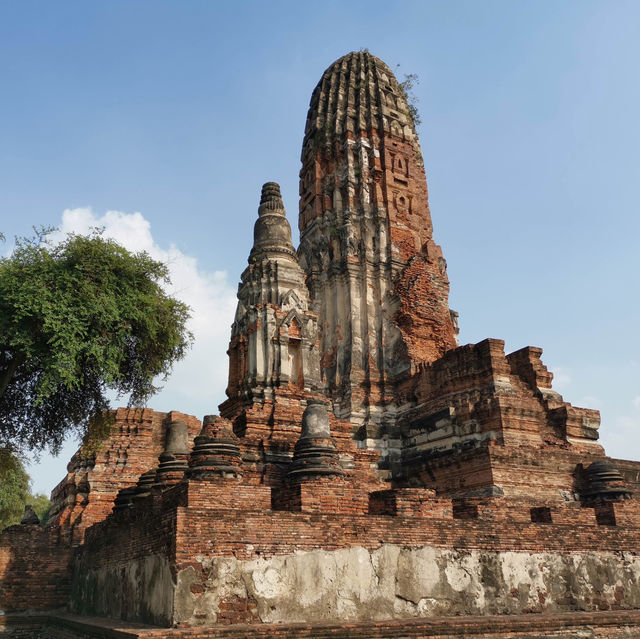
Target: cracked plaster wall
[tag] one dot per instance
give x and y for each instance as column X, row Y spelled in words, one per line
column 394, row 582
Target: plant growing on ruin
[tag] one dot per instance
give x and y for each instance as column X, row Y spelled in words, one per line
column 97, row 433
column 407, row 86
column 79, row 319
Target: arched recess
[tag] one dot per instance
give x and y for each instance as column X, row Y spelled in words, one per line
column 292, row 327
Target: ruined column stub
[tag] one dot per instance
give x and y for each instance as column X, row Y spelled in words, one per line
column 216, row 453
column 29, row 518
column 173, row 460
column 315, row 420
column 274, row 334
column 144, row 485
column 604, row 482
column 315, row 453
column 124, row 499
column 377, row 279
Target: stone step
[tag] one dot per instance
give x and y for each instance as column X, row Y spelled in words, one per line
column 617, row 624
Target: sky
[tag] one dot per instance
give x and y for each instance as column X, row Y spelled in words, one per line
column 160, row 121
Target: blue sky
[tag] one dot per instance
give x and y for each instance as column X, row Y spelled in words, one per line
column 180, row 111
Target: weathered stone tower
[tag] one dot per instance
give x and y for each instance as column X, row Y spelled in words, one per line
column 377, row 279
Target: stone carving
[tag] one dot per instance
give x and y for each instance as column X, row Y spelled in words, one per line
column 401, row 202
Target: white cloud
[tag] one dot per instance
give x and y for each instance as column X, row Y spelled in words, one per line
column 202, row 375
column 636, row 401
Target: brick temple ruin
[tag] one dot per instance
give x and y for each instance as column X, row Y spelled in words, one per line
column 366, row 475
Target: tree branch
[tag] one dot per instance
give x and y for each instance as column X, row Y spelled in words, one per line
column 13, row 366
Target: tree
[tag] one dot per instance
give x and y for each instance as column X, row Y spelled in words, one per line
column 15, row 493
column 14, row 489
column 41, row 505
column 78, row 319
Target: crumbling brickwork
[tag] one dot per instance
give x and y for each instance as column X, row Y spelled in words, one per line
column 131, row 446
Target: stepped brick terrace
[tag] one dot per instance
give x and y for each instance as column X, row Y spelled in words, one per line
column 366, row 476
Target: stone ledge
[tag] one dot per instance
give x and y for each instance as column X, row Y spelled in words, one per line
column 487, row 627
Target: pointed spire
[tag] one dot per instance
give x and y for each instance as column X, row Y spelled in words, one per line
column 271, row 199
column 271, row 233
column 272, row 291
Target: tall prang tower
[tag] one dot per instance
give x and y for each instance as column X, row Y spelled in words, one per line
column 376, row 277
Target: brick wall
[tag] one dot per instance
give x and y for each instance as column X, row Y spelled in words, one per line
column 498, row 527
column 35, row 568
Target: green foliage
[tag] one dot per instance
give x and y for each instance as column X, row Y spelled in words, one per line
column 15, row 493
column 97, row 432
column 78, row 319
column 41, row 506
column 407, row 86
column 14, row 489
